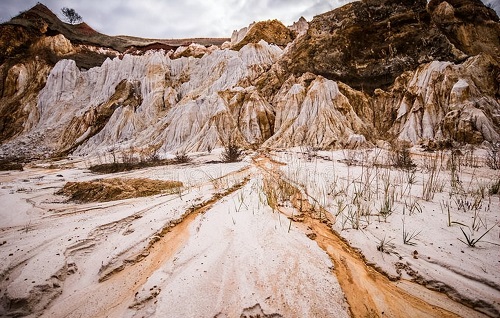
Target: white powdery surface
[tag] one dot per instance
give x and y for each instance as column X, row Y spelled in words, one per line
column 237, row 258
column 439, row 260
column 53, row 249
column 240, row 254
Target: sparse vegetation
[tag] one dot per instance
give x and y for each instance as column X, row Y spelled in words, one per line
column 364, row 74
column 126, row 166
column 432, row 183
column 469, row 237
column 409, row 237
column 27, row 227
column 493, row 156
column 494, row 187
column 385, row 246
column 400, row 157
column 102, row 190
column 11, row 164
column 387, row 206
column 231, row 153
column 131, row 159
column 182, row 157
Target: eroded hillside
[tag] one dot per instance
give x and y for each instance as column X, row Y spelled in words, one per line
column 367, row 72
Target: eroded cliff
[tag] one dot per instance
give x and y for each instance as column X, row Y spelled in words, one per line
column 368, row 71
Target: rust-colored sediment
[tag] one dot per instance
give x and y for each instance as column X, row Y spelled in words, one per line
column 368, row 292
column 111, row 297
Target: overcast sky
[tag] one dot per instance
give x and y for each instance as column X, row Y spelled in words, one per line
column 179, row 19
column 174, row 18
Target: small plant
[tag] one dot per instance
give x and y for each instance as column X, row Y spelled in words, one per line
column 231, row 153
column 493, row 156
column 432, row 184
column 400, row 157
column 412, row 206
column 216, row 182
column 241, row 200
column 494, row 187
column 27, row 227
column 470, row 241
column 341, row 205
column 182, row 157
column 409, row 237
column 411, row 177
column 387, row 206
column 385, row 246
column 445, row 206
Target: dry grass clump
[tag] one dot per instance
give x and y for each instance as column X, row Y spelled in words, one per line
column 11, row 164
column 127, row 166
column 103, row 190
column 493, row 156
column 400, row 157
column 231, row 153
column 182, row 157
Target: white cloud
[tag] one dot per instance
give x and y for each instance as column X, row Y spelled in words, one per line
column 174, row 19
column 178, row 19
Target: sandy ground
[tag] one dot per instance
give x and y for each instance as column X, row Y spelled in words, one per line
column 252, row 238
column 436, row 257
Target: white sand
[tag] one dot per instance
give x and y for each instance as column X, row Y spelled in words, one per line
column 238, row 256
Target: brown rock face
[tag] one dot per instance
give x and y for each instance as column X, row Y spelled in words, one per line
column 19, row 88
column 472, row 27
column 272, row 31
column 367, row 44
column 31, row 26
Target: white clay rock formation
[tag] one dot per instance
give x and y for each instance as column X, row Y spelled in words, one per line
column 198, row 97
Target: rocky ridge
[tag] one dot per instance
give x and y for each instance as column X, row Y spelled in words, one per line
column 365, row 72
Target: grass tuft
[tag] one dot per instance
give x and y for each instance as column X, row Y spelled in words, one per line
column 103, row 190
column 470, row 240
column 182, row 157
column 385, row 246
column 409, row 237
column 231, row 153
